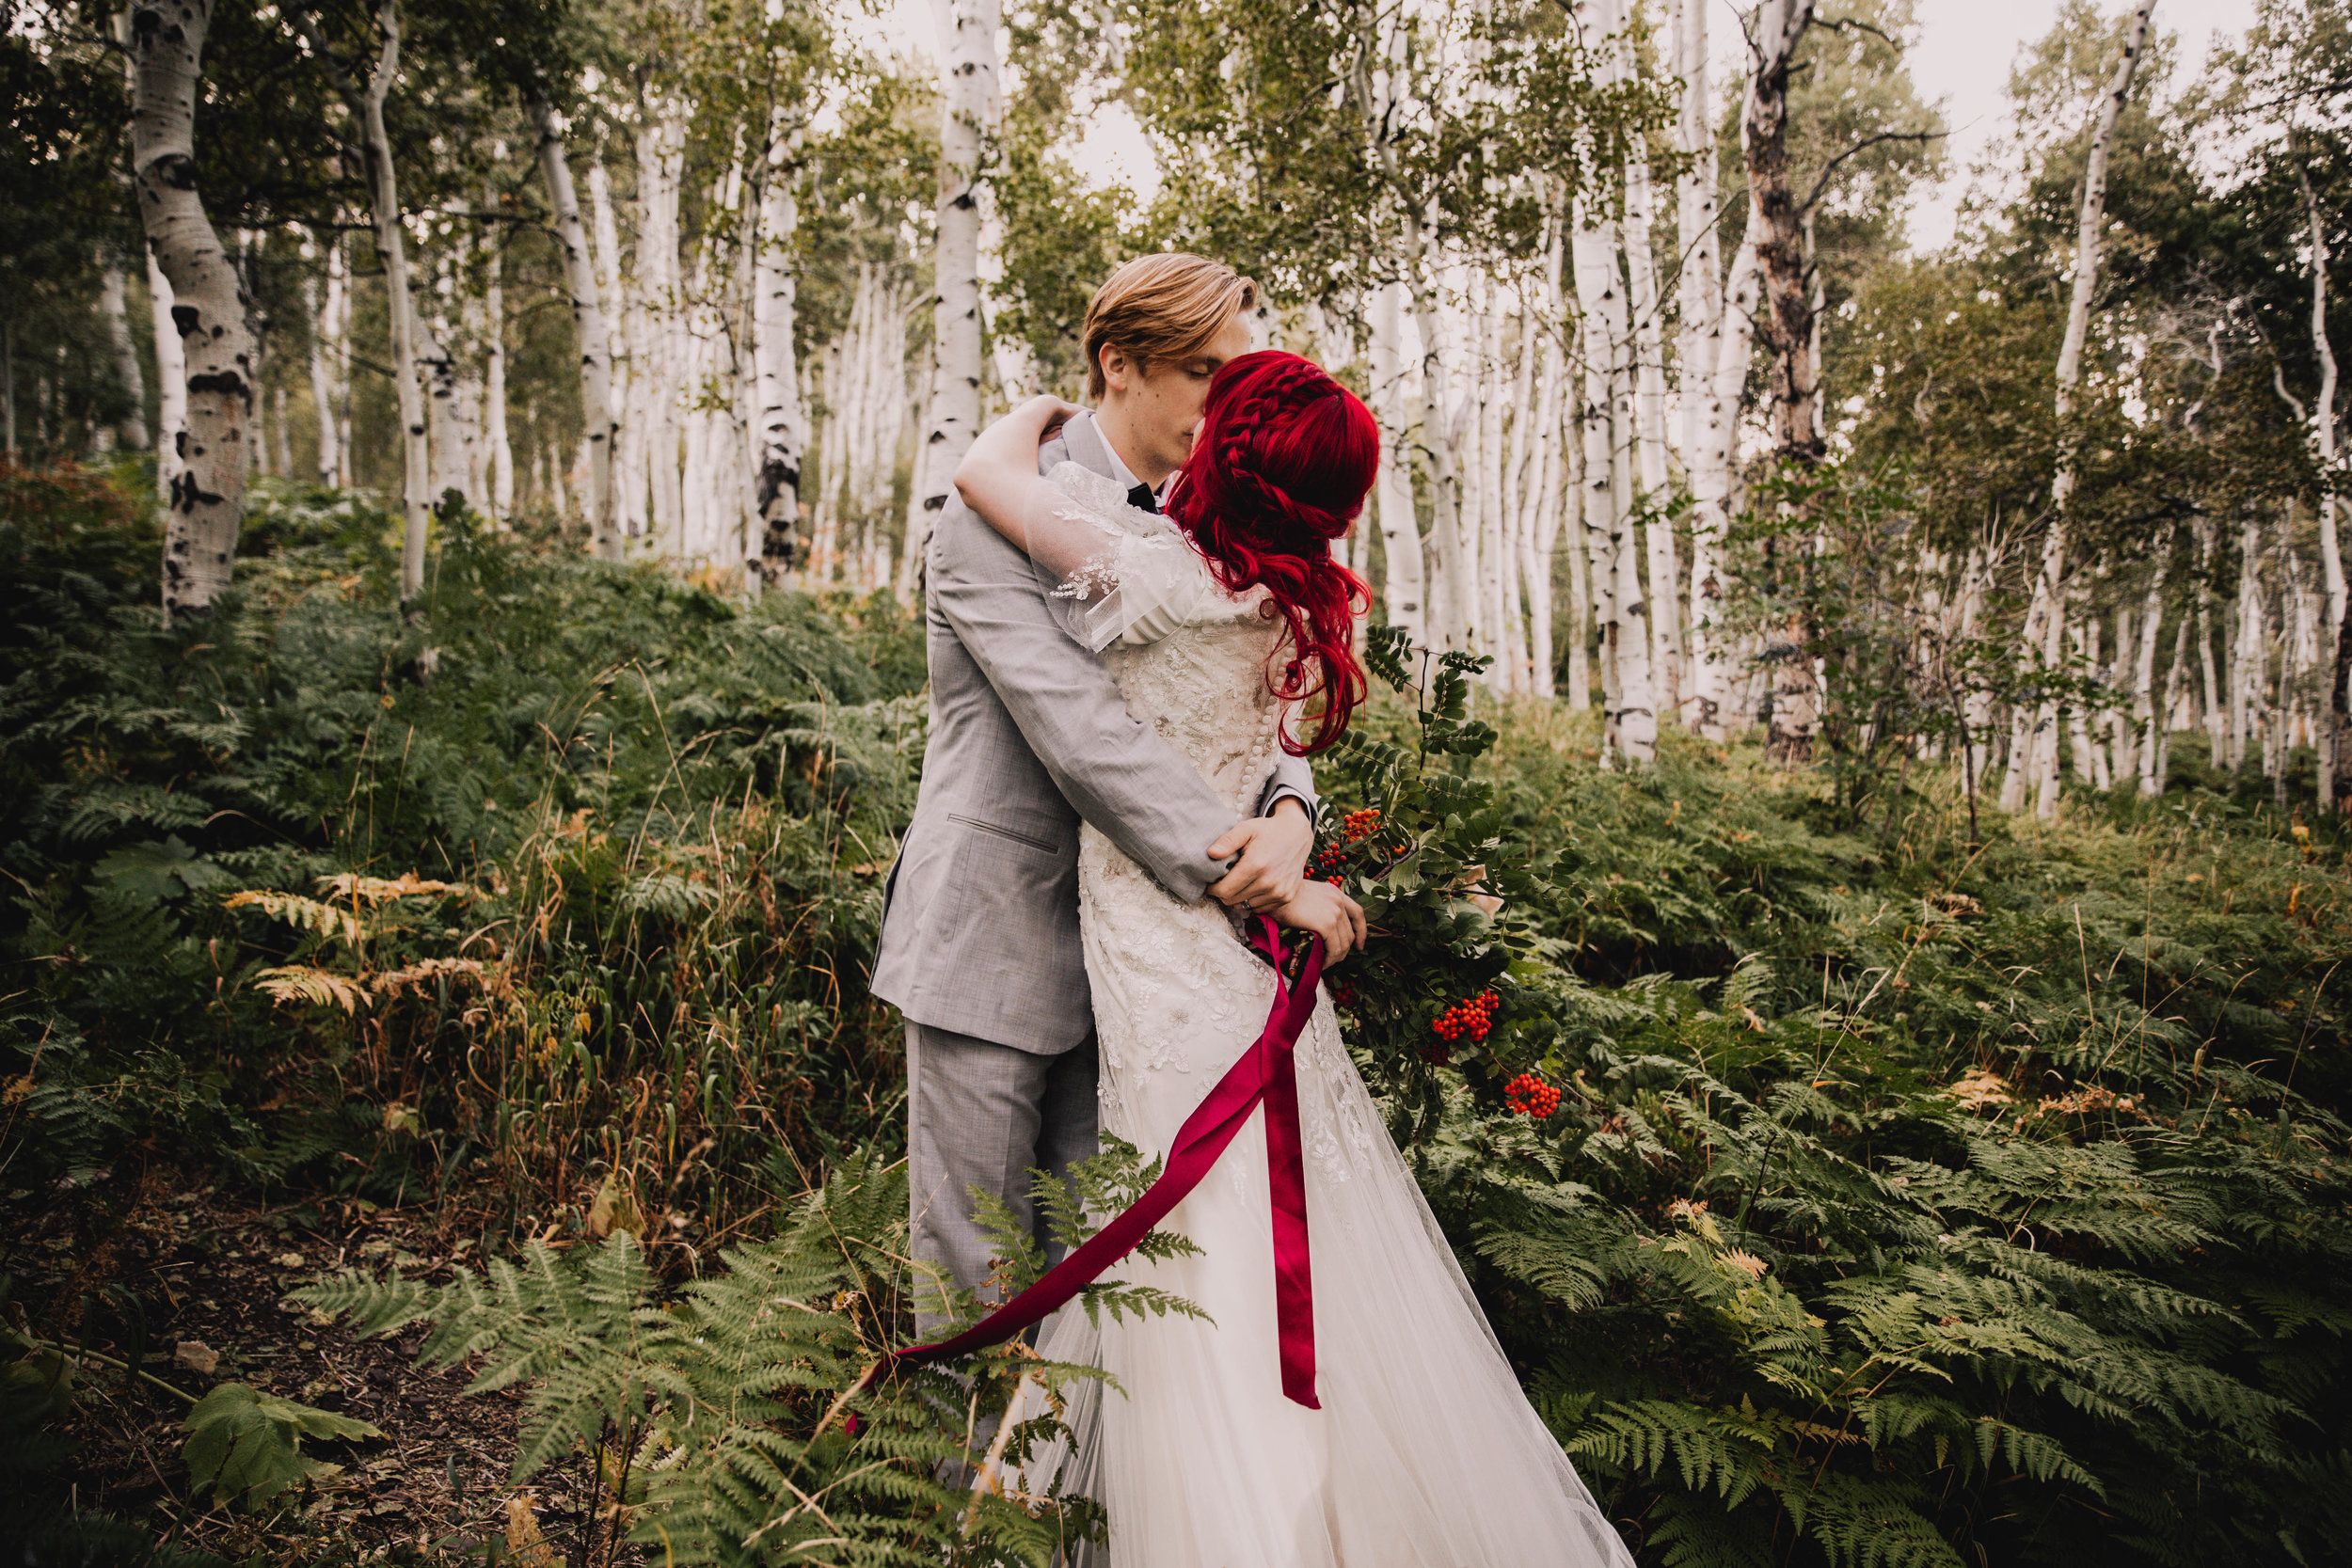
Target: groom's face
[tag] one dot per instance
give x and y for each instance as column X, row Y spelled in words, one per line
column 1160, row 407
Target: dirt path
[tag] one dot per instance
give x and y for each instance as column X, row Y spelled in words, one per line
column 193, row 1286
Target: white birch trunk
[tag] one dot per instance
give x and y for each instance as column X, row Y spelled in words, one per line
column 2337, row 644
column 322, row 382
column 1709, row 422
column 1450, row 608
column 1700, row 285
column 1483, row 522
column 455, row 434
column 285, row 433
column 112, row 289
column 338, row 308
column 1633, row 716
column 1977, row 704
column 366, row 108
column 2209, row 688
column 171, row 377
column 207, row 308
column 1730, row 349
column 661, row 170
column 2247, row 647
column 2090, row 225
column 497, row 449
column 967, row 129
column 1574, row 497
column 2148, row 714
column 1540, row 533
column 2170, row 719
column 1400, row 530
column 780, row 420
column 1649, row 417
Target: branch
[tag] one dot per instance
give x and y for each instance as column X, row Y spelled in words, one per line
column 1831, row 167
column 338, row 73
column 1842, row 24
column 2278, row 380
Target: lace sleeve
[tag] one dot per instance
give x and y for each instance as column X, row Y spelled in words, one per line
column 1142, row 579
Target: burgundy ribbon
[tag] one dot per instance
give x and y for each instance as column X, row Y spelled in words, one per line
column 1264, row 1074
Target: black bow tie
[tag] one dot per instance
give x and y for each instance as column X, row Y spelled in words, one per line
column 1141, row 496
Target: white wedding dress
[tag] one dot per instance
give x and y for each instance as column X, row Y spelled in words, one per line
column 1426, row 1453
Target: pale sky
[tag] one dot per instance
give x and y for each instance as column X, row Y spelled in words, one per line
column 1963, row 56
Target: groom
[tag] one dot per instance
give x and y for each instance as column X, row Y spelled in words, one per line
column 1028, row 736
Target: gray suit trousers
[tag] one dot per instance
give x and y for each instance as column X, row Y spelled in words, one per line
column 983, row 1115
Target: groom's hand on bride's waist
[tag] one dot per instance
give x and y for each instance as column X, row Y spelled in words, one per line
column 1268, row 855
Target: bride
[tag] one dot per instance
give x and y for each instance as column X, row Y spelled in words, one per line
column 1218, row 621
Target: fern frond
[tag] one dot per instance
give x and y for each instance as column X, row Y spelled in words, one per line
column 378, row 890
column 331, row 922
column 320, row 987
column 1721, row 1450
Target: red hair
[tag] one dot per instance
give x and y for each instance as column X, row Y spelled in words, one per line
column 1280, row 469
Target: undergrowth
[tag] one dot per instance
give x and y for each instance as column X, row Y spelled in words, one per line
column 1916, row 1192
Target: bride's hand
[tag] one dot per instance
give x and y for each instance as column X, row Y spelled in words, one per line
column 1320, row 908
column 1008, row 447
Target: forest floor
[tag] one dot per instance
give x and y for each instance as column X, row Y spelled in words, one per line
column 219, row 1265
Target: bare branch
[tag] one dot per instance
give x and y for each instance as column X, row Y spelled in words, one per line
column 1829, row 168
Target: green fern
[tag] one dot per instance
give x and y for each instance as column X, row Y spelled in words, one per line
column 731, row 1416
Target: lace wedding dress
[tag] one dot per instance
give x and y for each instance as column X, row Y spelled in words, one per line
column 1426, row 1453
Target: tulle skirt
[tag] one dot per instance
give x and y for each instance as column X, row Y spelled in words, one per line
column 1424, row 1455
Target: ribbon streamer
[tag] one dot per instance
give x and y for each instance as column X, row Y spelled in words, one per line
column 1265, row 1074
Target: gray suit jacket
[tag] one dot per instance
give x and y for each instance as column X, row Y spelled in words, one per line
column 1028, row 735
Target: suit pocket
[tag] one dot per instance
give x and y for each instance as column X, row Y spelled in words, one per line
column 1043, row 846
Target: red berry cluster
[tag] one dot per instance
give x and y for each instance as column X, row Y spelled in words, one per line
column 1437, row 1054
column 1355, row 827
column 1529, row 1096
column 1345, row 996
column 1472, row 1018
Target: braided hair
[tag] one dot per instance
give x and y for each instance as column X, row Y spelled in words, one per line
column 1280, row 469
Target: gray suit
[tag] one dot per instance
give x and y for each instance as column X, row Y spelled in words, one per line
column 979, row 943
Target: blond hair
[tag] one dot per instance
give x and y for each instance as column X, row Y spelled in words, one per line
column 1160, row 308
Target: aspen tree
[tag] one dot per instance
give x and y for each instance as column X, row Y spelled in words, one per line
column 2046, row 614
column 1786, row 325
column 968, row 128
column 2321, row 421
column 322, row 382
column 1649, row 393
column 1631, row 712
column 1708, row 426
column 1400, row 530
column 497, row 450
column 208, row 305
column 780, row 417
column 626, row 358
column 2149, row 716
column 171, row 376
column 1718, row 438
column 1573, row 497
column 660, row 176
column 365, row 105
column 112, row 289
column 452, row 433
column 1541, row 513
